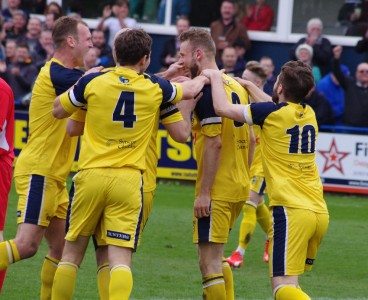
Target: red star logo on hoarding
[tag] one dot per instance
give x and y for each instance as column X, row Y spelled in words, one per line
column 333, row 157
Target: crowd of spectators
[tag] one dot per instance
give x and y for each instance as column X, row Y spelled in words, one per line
column 26, row 44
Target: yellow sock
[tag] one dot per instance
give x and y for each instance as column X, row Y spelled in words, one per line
column 228, row 278
column 121, row 283
column 47, row 276
column 103, row 280
column 290, row 292
column 247, row 226
column 64, row 281
column 214, row 287
column 263, row 216
column 8, row 254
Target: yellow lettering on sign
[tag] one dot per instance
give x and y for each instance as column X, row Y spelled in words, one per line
column 179, row 151
column 20, row 134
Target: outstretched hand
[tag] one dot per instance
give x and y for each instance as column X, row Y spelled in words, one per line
column 93, row 70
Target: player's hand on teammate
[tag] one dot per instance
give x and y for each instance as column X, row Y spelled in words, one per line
column 180, row 79
column 202, row 206
column 189, row 105
column 211, row 72
column 93, row 70
column 178, row 69
column 244, row 83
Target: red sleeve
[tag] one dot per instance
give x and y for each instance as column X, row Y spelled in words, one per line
column 4, row 107
column 268, row 18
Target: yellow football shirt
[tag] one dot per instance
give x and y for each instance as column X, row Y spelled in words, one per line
column 289, row 133
column 232, row 178
column 168, row 114
column 121, row 114
column 49, row 150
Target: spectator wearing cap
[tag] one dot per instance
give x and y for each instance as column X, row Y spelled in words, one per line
column 227, row 29
column 258, row 16
column 356, row 91
column 322, row 49
column 304, row 52
column 268, row 66
column 330, row 87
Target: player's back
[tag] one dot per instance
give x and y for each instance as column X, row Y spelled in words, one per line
column 121, row 114
column 289, row 133
column 232, row 177
column 49, row 150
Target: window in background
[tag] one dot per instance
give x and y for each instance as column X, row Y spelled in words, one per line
column 331, row 12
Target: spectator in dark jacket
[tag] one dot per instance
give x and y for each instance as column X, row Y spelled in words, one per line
column 321, row 107
column 18, row 29
column 322, row 50
column 228, row 63
column 356, row 91
column 22, row 74
column 268, row 66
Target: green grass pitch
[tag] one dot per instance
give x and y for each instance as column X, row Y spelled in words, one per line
column 165, row 265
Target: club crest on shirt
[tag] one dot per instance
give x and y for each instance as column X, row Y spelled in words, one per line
column 123, row 79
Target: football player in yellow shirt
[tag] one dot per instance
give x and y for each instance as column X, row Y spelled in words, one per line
column 122, row 105
column 222, row 186
column 45, row 162
column 255, row 210
column 288, row 132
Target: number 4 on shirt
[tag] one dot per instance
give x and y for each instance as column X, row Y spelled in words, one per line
column 124, row 110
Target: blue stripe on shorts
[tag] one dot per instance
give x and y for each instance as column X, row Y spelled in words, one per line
column 34, row 202
column 204, row 229
column 137, row 231
column 279, row 241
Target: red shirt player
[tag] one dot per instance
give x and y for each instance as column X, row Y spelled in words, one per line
column 6, row 153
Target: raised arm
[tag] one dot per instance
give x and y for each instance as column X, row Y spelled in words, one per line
column 192, row 88
column 257, row 95
column 58, row 111
column 180, row 131
column 220, row 103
